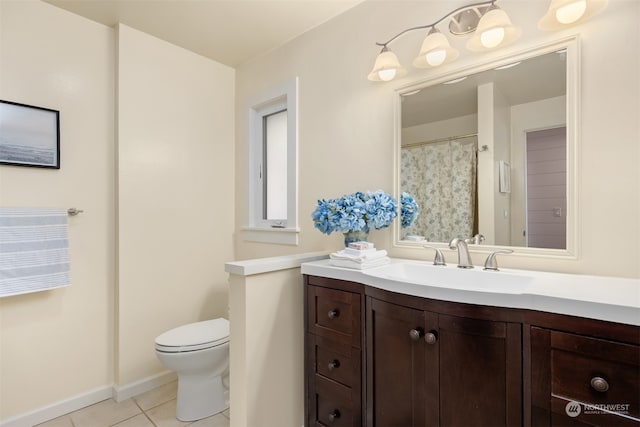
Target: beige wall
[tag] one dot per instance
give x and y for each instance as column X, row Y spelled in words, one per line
column 175, row 220
column 173, row 205
column 346, row 123
column 267, row 342
column 57, row 344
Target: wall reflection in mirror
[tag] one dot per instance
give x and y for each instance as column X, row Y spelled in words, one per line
column 487, row 155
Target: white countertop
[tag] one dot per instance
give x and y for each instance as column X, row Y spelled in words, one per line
column 596, row 297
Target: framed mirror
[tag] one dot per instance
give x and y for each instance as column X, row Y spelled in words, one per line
column 490, row 151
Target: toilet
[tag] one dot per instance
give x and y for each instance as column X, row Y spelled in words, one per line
column 199, row 355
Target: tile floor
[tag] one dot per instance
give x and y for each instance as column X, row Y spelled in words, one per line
column 156, row 407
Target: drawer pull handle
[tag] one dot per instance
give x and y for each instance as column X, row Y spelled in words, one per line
column 431, row 337
column 334, row 415
column 334, row 364
column 416, row 334
column 333, row 313
column 599, row 384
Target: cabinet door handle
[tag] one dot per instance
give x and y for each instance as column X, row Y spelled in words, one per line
column 334, row 415
column 431, row 337
column 416, row 333
column 599, row 384
column 335, row 363
column 332, row 314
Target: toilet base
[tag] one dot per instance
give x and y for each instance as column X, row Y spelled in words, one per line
column 200, row 397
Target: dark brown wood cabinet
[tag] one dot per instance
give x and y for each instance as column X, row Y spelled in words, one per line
column 580, row 380
column 428, row 368
column 333, row 363
column 379, row 358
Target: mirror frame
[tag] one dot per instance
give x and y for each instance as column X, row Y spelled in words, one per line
column 572, row 46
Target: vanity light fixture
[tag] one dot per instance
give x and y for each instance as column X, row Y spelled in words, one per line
column 492, row 27
column 435, row 51
column 387, row 67
column 564, row 13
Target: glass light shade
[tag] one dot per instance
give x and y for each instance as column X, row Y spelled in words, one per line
column 572, row 12
column 435, row 51
column 436, row 57
column 564, row 13
column 492, row 38
column 386, row 68
column 494, row 30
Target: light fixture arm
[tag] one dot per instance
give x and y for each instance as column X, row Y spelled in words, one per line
column 450, row 14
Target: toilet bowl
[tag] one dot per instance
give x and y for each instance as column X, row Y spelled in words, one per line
column 199, row 355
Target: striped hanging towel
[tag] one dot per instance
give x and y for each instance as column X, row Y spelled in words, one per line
column 34, row 250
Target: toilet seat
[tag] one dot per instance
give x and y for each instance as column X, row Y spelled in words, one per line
column 194, row 336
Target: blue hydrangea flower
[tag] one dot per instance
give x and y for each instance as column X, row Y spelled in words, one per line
column 355, row 212
column 381, row 209
column 408, row 210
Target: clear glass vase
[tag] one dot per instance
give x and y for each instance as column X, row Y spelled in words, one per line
column 355, row 236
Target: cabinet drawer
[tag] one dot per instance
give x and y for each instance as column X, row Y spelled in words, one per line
column 336, row 361
column 333, row 405
column 596, row 372
column 334, row 314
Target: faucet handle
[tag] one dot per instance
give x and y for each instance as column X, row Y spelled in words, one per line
column 491, row 263
column 438, row 259
column 475, row 240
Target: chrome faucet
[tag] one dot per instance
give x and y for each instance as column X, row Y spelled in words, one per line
column 438, row 258
column 464, row 259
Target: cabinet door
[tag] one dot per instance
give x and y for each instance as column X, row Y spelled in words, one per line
column 480, row 372
column 396, row 393
column 579, row 380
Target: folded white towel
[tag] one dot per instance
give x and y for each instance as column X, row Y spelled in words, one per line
column 358, row 252
column 363, row 257
column 360, row 265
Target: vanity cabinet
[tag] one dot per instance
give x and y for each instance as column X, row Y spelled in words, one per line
column 380, row 358
column 584, row 380
column 426, row 367
column 333, row 357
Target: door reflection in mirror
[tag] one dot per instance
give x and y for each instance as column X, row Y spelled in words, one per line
column 546, row 188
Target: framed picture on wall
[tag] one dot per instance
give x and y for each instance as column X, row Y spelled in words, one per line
column 29, row 136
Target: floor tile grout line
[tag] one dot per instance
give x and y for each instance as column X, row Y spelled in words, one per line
column 145, row 413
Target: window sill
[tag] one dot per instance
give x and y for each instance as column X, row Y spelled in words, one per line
column 281, row 236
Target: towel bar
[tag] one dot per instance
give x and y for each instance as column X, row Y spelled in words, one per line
column 74, row 211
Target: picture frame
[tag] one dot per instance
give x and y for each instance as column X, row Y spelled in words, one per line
column 29, row 135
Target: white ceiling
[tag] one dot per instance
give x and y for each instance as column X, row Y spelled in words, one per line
column 227, row 31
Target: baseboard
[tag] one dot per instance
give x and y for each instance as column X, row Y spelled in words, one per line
column 124, row 392
column 118, row 393
column 58, row 409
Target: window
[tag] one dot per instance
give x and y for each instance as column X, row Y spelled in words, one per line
column 272, row 213
column 274, row 167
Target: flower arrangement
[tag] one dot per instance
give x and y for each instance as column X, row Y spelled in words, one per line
column 355, row 212
column 408, row 210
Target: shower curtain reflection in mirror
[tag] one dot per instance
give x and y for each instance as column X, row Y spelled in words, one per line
column 441, row 176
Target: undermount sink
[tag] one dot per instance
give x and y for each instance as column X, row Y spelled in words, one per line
column 451, row 277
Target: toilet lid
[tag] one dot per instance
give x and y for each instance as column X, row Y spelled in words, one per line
column 194, row 336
